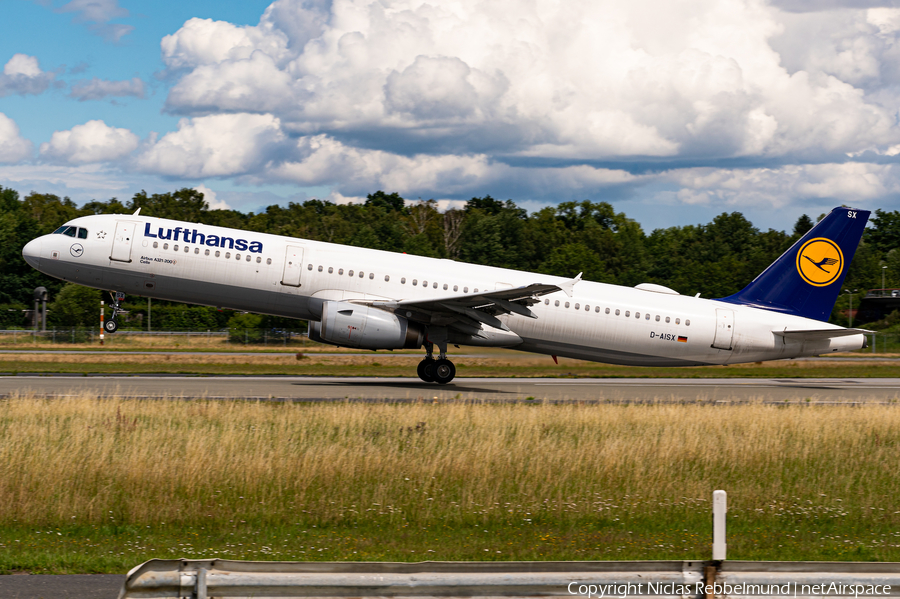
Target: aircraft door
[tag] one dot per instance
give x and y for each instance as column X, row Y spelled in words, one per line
column 724, row 329
column 124, row 237
column 293, row 266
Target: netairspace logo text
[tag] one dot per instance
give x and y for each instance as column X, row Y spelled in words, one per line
column 790, row 589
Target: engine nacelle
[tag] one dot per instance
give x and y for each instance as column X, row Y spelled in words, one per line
column 364, row 327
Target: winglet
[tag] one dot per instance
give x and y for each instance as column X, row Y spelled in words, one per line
column 569, row 286
column 136, row 212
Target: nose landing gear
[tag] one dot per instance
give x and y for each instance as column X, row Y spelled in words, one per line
column 440, row 371
column 112, row 325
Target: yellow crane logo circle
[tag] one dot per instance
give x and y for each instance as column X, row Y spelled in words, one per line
column 820, row 262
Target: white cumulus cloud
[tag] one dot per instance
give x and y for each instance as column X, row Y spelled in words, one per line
column 13, row 148
column 94, row 141
column 22, row 75
column 214, row 146
column 583, row 80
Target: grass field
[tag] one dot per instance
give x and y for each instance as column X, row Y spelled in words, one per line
column 91, row 485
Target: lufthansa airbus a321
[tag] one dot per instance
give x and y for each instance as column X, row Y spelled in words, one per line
column 370, row 299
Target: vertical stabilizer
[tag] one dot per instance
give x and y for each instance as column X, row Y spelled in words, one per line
column 806, row 279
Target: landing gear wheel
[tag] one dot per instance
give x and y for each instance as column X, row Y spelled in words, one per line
column 425, row 370
column 111, row 326
column 444, row 371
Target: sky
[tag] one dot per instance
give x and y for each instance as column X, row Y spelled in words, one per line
column 673, row 111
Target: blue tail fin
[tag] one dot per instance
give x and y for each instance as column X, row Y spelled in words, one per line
column 806, row 279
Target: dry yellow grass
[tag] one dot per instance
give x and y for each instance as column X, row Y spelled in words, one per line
column 98, row 460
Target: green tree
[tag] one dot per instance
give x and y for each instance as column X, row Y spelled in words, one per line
column 884, row 234
column 75, row 306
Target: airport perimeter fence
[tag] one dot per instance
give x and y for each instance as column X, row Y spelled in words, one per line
column 88, row 336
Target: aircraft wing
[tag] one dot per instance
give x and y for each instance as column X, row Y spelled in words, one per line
column 467, row 313
column 816, row 334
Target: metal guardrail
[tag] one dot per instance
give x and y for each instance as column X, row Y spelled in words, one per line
column 202, row 579
column 207, row 579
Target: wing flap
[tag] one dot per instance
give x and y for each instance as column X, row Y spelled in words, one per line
column 816, row 334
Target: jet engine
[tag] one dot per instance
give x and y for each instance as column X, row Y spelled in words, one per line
column 353, row 325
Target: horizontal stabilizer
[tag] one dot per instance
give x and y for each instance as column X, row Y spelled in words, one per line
column 816, row 334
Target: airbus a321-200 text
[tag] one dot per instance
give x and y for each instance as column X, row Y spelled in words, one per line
column 370, row 299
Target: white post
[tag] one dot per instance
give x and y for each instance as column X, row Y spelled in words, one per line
column 720, row 507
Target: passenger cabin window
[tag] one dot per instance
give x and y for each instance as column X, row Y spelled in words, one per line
column 155, row 244
column 218, row 253
column 196, row 250
column 677, row 321
column 556, row 303
column 309, row 266
column 617, row 311
column 455, row 288
column 687, row 323
column 175, row 247
column 206, row 253
column 258, row 259
column 546, row 302
column 587, row 308
column 330, row 269
column 268, row 261
column 228, row 254
column 387, row 278
column 637, row 314
column 349, row 273
column 320, row 268
column 647, row 317
column 415, row 282
column 657, row 318
column 361, row 274
column 165, row 246
column 186, row 249
column 627, row 313
column 340, row 271
column 435, row 285
column 237, row 256
column 465, row 290
column 371, row 275
column 667, row 320
column 445, row 286
column 424, row 283
column 577, row 306
column 248, row 258
column 403, row 280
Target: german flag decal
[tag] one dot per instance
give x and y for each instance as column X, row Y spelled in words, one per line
column 682, row 339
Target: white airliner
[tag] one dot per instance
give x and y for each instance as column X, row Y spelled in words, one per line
column 370, row 299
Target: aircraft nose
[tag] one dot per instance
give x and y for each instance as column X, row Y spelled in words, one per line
column 32, row 252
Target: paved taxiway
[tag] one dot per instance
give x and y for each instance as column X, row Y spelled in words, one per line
column 290, row 388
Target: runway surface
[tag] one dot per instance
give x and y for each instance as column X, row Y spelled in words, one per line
column 73, row 586
column 289, row 388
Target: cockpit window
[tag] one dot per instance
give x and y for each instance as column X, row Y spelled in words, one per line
column 82, row 233
column 70, row 231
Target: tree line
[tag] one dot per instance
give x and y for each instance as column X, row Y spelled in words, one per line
column 715, row 259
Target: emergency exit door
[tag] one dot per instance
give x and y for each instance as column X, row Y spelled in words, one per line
column 724, row 329
column 293, row 266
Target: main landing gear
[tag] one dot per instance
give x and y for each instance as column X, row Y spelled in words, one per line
column 112, row 325
column 440, row 371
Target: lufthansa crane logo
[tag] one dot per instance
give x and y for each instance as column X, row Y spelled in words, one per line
column 820, row 262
